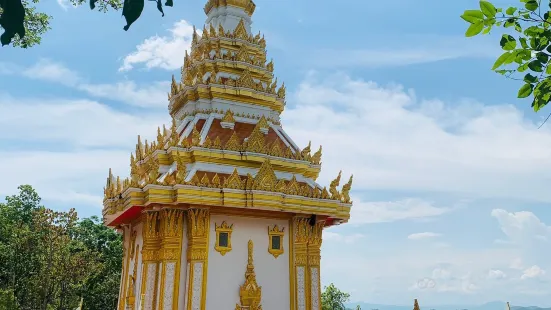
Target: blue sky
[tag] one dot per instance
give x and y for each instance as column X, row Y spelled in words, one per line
column 450, row 171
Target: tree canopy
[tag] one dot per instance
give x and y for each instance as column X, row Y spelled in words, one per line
column 24, row 26
column 333, row 299
column 50, row 260
column 526, row 44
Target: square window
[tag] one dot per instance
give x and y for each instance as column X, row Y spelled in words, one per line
column 223, row 239
column 276, row 242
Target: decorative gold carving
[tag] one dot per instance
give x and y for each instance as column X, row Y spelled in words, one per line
column 305, row 154
column 240, row 32
column 174, row 136
column 153, row 170
column 172, row 223
column 207, row 143
column 131, row 292
column 205, row 182
column 314, row 243
column 302, row 233
column 217, row 143
column 198, row 229
column 263, row 123
column 346, row 191
column 256, row 142
column 228, row 117
column 246, row 80
column 225, row 231
column 293, row 187
column 242, row 54
column 195, row 136
column 281, row 91
column 233, row 143
column 270, row 66
column 216, row 181
column 151, row 234
column 265, row 179
column 250, row 294
column 234, row 181
column 275, row 236
column 316, row 158
column 180, row 169
column 333, row 187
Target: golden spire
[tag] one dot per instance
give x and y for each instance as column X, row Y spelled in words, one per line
column 247, row 5
column 415, row 305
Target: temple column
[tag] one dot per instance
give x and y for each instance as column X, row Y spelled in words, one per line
column 125, row 263
column 314, row 260
column 300, row 250
column 171, row 231
column 197, row 258
column 150, row 260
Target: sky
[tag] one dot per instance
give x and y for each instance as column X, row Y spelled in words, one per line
column 451, row 173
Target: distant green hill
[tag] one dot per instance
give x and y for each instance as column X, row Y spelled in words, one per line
column 496, row 305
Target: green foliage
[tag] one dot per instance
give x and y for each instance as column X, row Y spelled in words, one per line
column 50, row 259
column 24, row 26
column 526, row 44
column 333, row 299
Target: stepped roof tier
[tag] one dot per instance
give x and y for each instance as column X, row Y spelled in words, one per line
column 226, row 147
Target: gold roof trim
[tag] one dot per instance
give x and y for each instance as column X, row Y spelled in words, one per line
column 247, row 5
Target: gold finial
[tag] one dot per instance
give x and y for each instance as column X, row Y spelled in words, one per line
column 415, row 305
column 247, row 5
column 346, row 190
column 281, row 91
column 194, row 38
column 228, row 117
column 212, row 31
column 333, row 187
column 305, row 154
column 316, row 158
column 205, row 34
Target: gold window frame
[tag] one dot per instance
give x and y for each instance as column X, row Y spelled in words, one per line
column 276, row 232
column 223, row 228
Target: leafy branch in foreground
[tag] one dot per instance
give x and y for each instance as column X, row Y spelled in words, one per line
column 24, row 26
column 526, row 44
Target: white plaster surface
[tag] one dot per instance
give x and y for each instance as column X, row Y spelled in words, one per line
column 184, row 270
column 226, row 273
column 314, row 278
column 301, row 298
column 149, row 286
column 169, row 285
column 197, row 286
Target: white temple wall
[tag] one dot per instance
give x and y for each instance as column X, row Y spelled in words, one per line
column 229, row 17
column 227, row 273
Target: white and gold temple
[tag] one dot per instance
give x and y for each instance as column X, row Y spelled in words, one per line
column 223, row 210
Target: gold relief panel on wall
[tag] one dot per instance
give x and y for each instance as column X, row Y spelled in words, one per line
column 275, row 236
column 223, row 238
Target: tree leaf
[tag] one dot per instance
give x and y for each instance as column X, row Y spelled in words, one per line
column 501, row 60
column 474, row 29
column 531, row 5
column 528, row 78
column 535, row 66
column 511, row 10
column 548, row 69
column 488, row 9
column 525, row 90
column 523, row 43
column 472, row 16
column 542, row 57
column 507, row 42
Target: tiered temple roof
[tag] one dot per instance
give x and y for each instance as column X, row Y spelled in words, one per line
column 226, row 147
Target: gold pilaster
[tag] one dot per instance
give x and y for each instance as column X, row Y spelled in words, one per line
column 126, row 262
column 150, row 259
column 171, row 232
column 300, row 262
column 314, row 260
column 198, row 228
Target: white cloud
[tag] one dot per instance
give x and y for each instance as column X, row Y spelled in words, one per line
column 516, row 264
column 423, row 235
column 406, row 50
column 87, row 137
column 532, row 272
column 165, row 52
column 496, row 274
column 522, row 227
column 48, row 70
column 391, row 140
column 389, row 211
column 150, row 95
column 348, row 239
